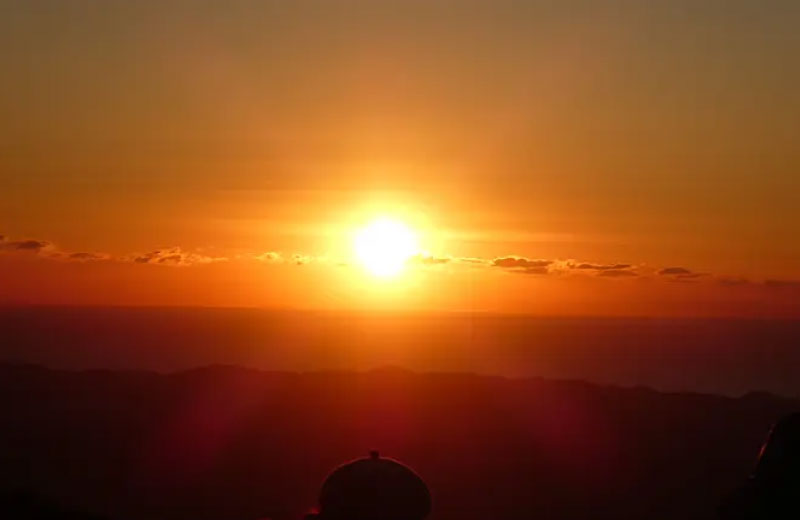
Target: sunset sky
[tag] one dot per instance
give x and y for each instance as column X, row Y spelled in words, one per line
column 576, row 157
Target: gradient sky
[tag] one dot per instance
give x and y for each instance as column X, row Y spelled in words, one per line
column 557, row 157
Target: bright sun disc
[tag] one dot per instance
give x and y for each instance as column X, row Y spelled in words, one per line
column 384, row 247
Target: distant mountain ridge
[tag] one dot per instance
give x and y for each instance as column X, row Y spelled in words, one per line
column 721, row 356
column 226, row 442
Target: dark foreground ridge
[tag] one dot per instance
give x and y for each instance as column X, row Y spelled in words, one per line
column 233, row 443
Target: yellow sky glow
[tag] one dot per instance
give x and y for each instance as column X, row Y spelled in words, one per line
column 534, row 157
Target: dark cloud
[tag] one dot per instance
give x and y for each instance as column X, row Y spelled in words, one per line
column 617, row 273
column 691, row 276
column 269, row 257
column 601, row 267
column 47, row 250
column 667, row 271
column 174, row 256
column 169, row 259
column 24, row 245
column 681, row 274
column 298, row 259
column 515, row 262
column 543, row 266
column 87, row 257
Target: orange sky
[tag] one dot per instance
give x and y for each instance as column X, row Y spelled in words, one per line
column 574, row 137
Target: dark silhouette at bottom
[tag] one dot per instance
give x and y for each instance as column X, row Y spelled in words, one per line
column 373, row 488
column 773, row 489
column 24, row 505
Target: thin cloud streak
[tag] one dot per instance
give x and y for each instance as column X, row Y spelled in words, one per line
column 557, row 268
column 175, row 256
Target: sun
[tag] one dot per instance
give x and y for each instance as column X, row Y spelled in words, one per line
column 384, row 246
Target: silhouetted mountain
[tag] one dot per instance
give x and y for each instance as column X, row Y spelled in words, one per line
column 720, row 356
column 229, row 443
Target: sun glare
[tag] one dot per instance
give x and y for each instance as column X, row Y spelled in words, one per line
column 384, row 247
